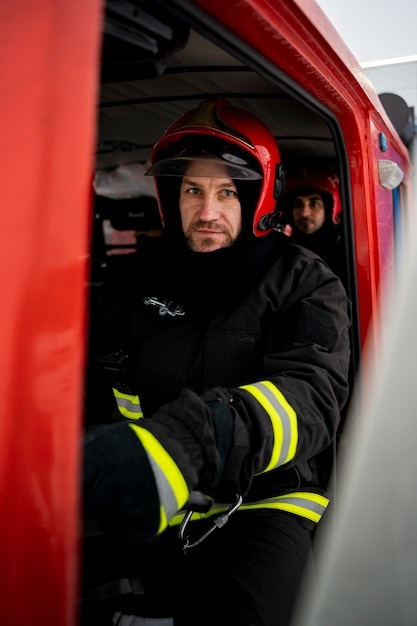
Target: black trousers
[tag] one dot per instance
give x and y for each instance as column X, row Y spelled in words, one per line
column 247, row 573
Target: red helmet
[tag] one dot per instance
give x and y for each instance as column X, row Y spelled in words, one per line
column 317, row 177
column 218, row 131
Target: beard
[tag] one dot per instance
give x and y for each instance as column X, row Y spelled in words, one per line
column 198, row 242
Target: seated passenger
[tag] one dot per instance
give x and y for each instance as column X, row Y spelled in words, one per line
column 228, row 359
column 311, row 207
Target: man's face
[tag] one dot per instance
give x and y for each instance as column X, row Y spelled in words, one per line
column 309, row 213
column 210, row 208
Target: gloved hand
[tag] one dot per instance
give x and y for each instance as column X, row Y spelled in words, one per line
column 137, row 476
column 119, row 488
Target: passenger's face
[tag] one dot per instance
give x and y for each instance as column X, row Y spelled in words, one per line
column 210, row 209
column 308, row 213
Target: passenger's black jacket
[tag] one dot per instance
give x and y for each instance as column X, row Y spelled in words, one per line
column 267, row 321
column 327, row 242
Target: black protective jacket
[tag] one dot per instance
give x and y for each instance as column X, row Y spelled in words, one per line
column 264, row 328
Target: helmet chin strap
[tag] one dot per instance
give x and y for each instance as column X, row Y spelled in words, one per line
column 280, row 178
column 272, row 220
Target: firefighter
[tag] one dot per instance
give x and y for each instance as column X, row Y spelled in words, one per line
column 312, row 209
column 227, row 351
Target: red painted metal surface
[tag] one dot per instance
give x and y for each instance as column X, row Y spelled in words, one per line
column 48, row 90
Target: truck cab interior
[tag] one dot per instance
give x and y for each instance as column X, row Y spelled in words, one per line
column 160, row 59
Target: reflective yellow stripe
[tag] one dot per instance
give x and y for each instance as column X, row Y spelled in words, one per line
column 128, row 405
column 163, row 521
column 172, row 489
column 303, row 503
column 283, row 419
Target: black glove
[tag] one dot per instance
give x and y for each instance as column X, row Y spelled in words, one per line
column 119, row 489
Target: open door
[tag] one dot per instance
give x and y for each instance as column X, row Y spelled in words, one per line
column 50, row 52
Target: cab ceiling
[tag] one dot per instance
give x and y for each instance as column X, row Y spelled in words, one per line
column 146, row 85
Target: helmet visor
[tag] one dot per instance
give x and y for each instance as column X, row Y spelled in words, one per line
column 236, row 164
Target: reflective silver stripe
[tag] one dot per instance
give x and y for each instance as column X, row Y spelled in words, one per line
column 302, row 503
column 172, row 489
column 128, row 405
column 283, row 419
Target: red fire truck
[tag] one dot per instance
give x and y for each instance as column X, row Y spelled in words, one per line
column 88, row 87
